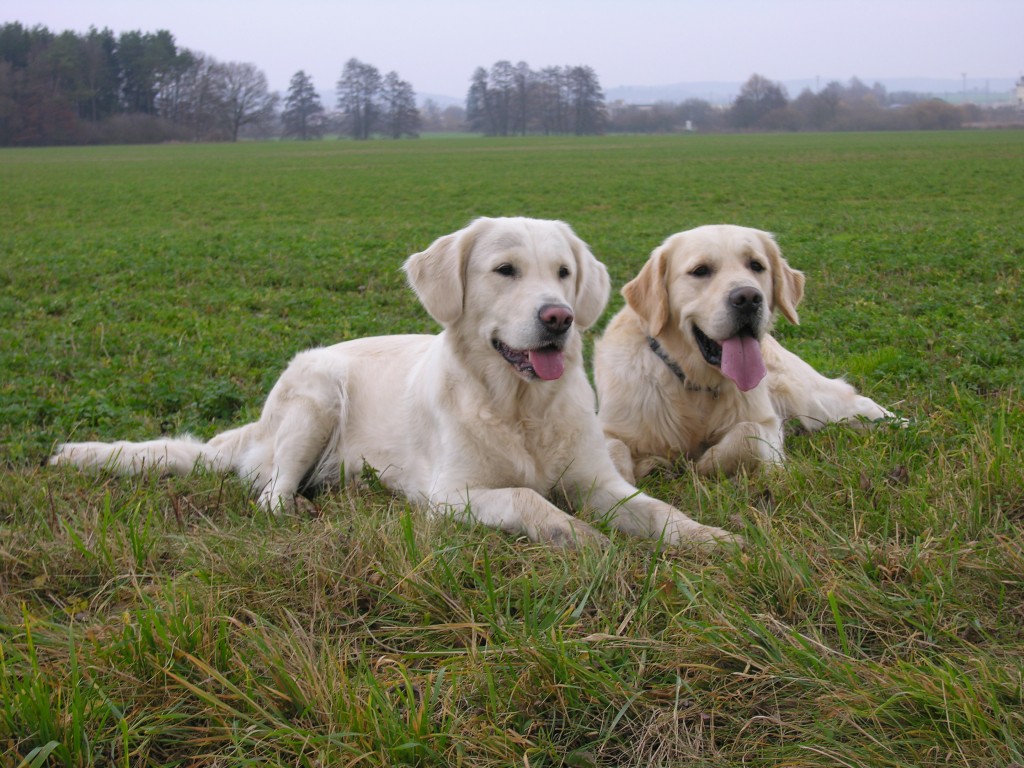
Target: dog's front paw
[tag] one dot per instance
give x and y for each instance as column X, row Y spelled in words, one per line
column 718, row 537
column 717, row 463
column 287, row 504
column 706, row 537
column 570, row 533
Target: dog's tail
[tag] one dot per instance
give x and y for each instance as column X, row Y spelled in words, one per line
column 173, row 456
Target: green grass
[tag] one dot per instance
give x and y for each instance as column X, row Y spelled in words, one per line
column 875, row 619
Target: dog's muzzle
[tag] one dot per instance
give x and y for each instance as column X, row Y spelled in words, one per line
column 738, row 355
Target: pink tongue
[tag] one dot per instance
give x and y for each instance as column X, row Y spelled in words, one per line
column 548, row 364
column 742, row 361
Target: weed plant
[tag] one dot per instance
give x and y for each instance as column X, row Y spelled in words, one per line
column 876, row 617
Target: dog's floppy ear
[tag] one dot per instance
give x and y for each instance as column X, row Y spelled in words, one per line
column 438, row 274
column 787, row 283
column 592, row 282
column 647, row 293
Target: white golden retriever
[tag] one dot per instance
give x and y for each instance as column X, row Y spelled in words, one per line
column 481, row 422
column 689, row 369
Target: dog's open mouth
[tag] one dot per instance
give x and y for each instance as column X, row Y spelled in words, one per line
column 739, row 357
column 545, row 363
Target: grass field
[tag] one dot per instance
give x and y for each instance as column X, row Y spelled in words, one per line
column 876, row 617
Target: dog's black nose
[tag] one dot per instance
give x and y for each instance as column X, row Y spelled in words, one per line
column 747, row 300
column 557, row 318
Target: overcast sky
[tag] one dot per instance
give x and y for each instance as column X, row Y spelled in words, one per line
column 436, row 44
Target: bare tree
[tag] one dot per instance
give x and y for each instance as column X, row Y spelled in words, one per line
column 193, row 99
column 523, row 80
column 500, row 91
column 358, row 90
column 244, row 96
column 303, row 114
column 552, row 100
column 587, row 101
column 758, row 97
column 516, row 100
column 430, row 115
column 451, row 119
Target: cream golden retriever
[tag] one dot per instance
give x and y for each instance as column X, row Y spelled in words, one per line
column 689, row 369
column 483, row 421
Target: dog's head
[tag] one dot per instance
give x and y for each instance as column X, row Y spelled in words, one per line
column 519, row 287
column 712, row 293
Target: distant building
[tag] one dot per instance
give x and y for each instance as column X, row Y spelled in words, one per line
column 1020, row 93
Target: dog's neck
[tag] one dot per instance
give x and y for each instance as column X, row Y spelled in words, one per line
column 673, row 366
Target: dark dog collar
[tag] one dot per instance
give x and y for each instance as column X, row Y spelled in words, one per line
column 673, row 366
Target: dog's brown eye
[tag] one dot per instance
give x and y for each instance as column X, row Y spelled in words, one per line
column 563, row 272
column 702, row 271
column 756, row 266
column 506, row 270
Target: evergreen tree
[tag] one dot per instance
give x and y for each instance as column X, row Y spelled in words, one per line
column 99, row 76
column 478, row 103
column 400, row 115
column 146, row 61
column 303, row 114
column 358, row 91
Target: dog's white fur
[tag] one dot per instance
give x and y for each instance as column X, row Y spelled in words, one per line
column 448, row 420
column 652, row 417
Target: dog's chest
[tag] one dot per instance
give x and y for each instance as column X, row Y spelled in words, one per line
column 682, row 422
column 525, row 452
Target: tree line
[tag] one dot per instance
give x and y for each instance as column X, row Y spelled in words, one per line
column 510, row 100
column 99, row 87
column 765, row 105
column 368, row 104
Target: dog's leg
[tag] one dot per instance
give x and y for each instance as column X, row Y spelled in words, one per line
column 630, row 469
column 298, row 421
column 799, row 391
column 622, row 459
column 747, row 446
column 634, row 512
column 520, row 511
column 302, row 435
